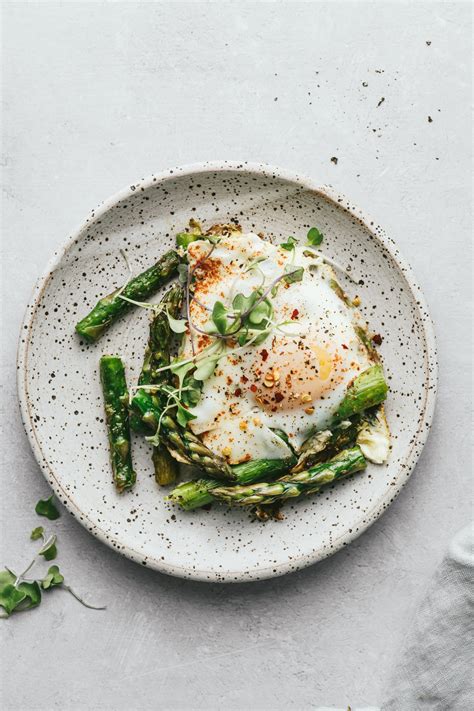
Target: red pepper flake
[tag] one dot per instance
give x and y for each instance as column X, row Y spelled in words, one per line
column 264, row 354
column 377, row 339
column 279, row 397
column 244, row 379
column 237, row 392
column 253, row 388
column 344, row 346
column 295, row 314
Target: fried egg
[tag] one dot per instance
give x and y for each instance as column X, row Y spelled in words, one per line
column 295, row 380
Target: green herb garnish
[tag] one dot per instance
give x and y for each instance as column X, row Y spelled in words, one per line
column 47, row 507
column 315, row 237
column 37, row 533
column 17, row 596
column 219, row 317
column 53, row 578
column 290, row 244
column 17, row 593
column 48, row 549
column 177, row 325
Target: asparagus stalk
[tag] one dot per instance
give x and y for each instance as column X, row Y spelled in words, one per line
column 310, row 481
column 166, row 466
column 157, row 355
column 114, row 387
column 194, row 232
column 367, row 390
column 194, row 494
column 111, row 307
column 181, row 442
column 185, row 444
column 157, row 352
column 327, row 443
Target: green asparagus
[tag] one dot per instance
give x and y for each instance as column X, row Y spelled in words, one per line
column 165, row 466
column 194, row 494
column 114, row 386
column 327, row 443
column 157, row 355
column 367, row 390
column 111, row 307
column 310, row 481
column 181, row 442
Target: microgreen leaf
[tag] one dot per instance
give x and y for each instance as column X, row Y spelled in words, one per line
column 49, row 550
column 259, row 313
column 53, row 578
column 183, row 416
column 7, row 577
column 205, row 369
column 47, row 507
column 32, row 593
column 192, row 394
column 177, row 325
column 315, row 237
column 10, row 596
column 181, row 370
column 296, row 274
column 219, row 317
column 290, row 244
column 17, row 597
column 243, row 303
column 37, row 533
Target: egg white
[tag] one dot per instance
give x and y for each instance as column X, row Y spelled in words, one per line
column 296, row 379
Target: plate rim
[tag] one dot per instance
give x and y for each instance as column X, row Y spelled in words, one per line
column 405, row 468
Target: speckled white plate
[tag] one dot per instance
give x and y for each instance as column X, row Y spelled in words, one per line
column 60, row 393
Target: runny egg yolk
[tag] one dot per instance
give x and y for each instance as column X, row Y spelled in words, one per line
column 295, row 375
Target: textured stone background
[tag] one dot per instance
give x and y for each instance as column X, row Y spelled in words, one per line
column 96, row 95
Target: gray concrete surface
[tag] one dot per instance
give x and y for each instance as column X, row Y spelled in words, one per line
column 96, row 95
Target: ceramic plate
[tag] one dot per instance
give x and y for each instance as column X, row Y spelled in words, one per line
column 60, row 392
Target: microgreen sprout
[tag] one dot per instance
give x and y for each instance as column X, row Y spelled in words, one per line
column 290, row 244
column 17, row 592
column 315, row 237
column 47, row 507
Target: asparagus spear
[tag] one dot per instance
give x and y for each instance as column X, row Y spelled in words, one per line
column 194, row 494
column 157, row 355
column 166, row 466
column 157, row 350
column 367, row 390
column 327, row 443
column 181, row 442
column 308, row 482
column 111, row 307
column 185, row 444
column 114, row 386
column 194, row 232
